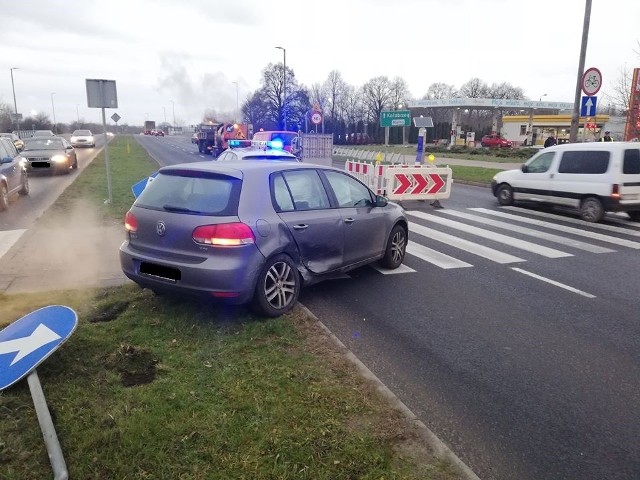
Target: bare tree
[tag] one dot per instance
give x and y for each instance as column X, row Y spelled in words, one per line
column 376, row 97
column 475, row 88
column 353, row 108
column 440, row 90
column 399, row 93
column 334, row 87
column 619, row 91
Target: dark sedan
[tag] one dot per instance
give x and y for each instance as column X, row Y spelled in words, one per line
column 53, row 154
column 256, row 231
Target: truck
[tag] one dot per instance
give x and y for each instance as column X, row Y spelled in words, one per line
column 149, row 126
column 214, row 138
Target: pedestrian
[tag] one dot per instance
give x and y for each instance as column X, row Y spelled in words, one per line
column 607, row 137
column 550, row 141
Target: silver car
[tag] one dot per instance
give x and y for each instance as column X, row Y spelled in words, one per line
column 256, row 231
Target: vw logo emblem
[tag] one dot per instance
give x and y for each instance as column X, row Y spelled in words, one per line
column 161, row 229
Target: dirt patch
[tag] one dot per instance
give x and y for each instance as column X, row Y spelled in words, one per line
column 107, row 313
column 136, row 366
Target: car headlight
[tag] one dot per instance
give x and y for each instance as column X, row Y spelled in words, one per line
column 59, row 158
column 74, row 139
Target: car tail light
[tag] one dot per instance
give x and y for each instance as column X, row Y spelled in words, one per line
column 130, row 222
column 615, row 191
column 224, row 234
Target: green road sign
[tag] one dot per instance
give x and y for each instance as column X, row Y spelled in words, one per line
column 396, row 118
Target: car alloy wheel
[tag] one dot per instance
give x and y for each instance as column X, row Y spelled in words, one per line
column 396, row 248
column 278, row 287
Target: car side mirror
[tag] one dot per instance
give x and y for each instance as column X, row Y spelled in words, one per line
column 524, row 168
column 381, row 201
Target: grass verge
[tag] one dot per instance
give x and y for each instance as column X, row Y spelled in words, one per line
column 157, row 387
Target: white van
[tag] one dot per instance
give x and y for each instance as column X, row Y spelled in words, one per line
column 593, row 177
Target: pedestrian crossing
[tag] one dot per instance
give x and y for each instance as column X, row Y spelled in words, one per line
column 453, row 238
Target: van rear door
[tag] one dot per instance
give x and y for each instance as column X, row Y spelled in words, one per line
column 630, row 181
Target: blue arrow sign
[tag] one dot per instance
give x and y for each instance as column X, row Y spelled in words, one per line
column 28, row 341
column 588, row 106
column 137, row 188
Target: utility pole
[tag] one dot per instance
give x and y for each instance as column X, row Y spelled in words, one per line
column 15, row 105
column 235, row 117
column 284, row 86
column 173, row 109
column 575, row 117
column 53, row 109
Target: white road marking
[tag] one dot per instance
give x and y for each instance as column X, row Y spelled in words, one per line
column 7, row 239
column 394, row 271
column 493, row 236
column 461, row 243
column 550, row 237
column 563, row 228
column 553, row 282
column 436, row 258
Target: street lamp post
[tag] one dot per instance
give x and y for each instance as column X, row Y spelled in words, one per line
column 78, row 112
column 165, row 114
column 284, row 86
column 235, row 119
column 53, row 109
column 15, row 105
column 543, row 95
column 173, row 109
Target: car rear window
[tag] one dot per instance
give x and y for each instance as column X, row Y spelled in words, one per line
column 192, row 193
column 595, row 161
column 631, row 163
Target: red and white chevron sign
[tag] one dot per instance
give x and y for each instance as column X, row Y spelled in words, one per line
column 418, row 183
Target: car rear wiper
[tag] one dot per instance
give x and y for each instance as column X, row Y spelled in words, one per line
column 173, row 208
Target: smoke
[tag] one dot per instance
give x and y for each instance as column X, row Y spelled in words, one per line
column 70, row 249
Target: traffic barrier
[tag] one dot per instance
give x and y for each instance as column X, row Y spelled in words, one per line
column 403, row 181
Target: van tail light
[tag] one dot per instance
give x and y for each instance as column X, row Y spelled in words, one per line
column 130, row 222
column 224, row 234
column 615, row 191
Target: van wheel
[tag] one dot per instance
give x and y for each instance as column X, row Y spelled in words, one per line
column 505, row 195
column 591, row 210
column 277, row 288
column 635, row 216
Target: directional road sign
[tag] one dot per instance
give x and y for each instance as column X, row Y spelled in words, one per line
column 28, row 341
column 137, row 188
column 588, row 106
column 395, row 118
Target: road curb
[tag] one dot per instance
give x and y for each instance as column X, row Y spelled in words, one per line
column 439, row 448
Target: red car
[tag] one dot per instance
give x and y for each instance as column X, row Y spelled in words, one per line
column 157, row 133
column 495, row 141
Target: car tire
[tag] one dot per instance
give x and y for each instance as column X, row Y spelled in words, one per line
column 4, row 197
column 635, row 215
column 483, row 144
column 504, row 194
column 75, row 163
column 396, row 248
column 24, row 189
column 591, row 210
column 277, row 287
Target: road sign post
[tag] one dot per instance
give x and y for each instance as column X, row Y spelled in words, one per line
column 24, row 345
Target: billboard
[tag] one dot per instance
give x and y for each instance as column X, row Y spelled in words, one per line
column 632, row 128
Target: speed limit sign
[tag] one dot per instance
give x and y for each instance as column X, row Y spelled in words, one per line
column 591, row 81
column 316, row 118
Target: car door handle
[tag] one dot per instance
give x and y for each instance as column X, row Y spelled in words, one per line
column 300, row 226
column 349, row 220
column 551, row 175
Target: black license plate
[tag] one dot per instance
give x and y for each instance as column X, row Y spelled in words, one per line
column 160, row 271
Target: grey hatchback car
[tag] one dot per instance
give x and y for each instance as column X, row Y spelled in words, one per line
column 255, row 231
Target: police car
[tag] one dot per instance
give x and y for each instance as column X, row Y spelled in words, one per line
column 256, row 150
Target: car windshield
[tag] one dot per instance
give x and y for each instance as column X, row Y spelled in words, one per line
column 43, row 144
column 78, row 133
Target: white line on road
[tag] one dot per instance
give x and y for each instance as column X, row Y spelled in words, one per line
column 553, row 282
column 389, row 271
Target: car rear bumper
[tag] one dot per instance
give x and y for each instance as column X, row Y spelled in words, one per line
column 230, row 278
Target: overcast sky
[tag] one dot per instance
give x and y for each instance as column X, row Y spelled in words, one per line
column 191, row 52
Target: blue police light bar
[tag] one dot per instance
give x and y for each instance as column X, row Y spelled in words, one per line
column 276, row 144
column 239, row 143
